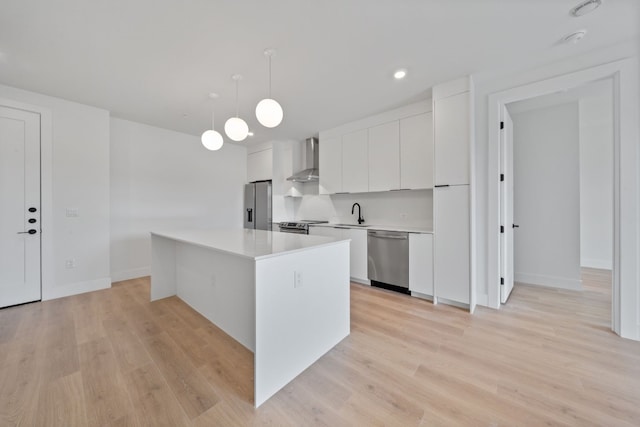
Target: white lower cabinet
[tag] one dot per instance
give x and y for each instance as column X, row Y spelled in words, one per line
column 451, row 243
column 357, row 251
column 421, row 263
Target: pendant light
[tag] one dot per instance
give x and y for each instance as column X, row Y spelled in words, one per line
column 211, row 139
column 235, row 127
column 268, row 111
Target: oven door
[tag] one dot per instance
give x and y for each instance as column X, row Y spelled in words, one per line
column 293, row 230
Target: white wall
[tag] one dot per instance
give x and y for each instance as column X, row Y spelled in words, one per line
column 162, row 179
column 596, row 181
column 547, row 196
column 75, row 175
column 503, row 78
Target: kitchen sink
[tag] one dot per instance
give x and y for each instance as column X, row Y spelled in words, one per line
column 351, row 225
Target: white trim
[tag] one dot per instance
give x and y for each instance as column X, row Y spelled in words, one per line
column 601, row 264
column 46, row 190
column 360, row 281
column 76, row 288
column 133, row 273
column 625, row 301
column 549, row 281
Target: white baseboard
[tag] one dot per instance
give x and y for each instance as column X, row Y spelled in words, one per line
column 361, row 281
column 134, row 273
column 549, row 281
column 75, row 288
column 602, row 264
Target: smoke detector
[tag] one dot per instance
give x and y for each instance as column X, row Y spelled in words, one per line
column 574, row 38
column 585, row 7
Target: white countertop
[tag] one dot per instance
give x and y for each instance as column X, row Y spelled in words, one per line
column 423, row 230
column 254, row 244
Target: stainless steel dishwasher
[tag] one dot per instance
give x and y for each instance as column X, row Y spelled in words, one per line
column 388, row 259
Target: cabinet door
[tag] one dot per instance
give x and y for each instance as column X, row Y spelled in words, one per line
column 358, row 253
column 355, row 162
column 325, row 231
column 451, row 139
column 384, row 157
column 416, row 151
column 330, row 164
column 421, row 263
column 260, row 165
column 451, row 243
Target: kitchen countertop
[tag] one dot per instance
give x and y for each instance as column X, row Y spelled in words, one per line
column 421, row 230
column 253, row 244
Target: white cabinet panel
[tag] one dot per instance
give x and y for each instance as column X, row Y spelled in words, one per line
column 451, row 243
column 330, row 163
column 325, row 231
column 355, row 162
column 357, row 248
column 358, row 253
column 384, row 157
column 260, row 165
column 416, row 151
column 452, row 139
column 421, row 263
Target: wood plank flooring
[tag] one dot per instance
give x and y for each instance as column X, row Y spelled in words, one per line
column 112, row 358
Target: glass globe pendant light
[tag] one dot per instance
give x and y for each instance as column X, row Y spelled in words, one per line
column 211, row 139
column 268, row 111
column 235, row 127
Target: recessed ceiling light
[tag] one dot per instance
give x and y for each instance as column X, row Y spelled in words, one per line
column 400, row 74
column 585, row 7
column 574, row 37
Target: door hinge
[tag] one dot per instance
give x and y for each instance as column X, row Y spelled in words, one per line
column 502, row 229
column 501, row 125
column 501, row 177
column 502, row 280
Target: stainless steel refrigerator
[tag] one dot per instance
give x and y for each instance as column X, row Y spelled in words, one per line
column 257, row 205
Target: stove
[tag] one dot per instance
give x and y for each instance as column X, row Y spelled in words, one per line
column 298, row 227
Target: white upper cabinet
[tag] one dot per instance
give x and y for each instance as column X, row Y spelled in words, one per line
column 416, row 151
column 384, row 157
column 330, row 161
column 452, row 139
column 260, row 165
column 355, row 162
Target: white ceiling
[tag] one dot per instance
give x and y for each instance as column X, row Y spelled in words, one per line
column 155, row 61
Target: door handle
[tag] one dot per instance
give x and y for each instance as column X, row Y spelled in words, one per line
column 250, row 215
column 32, row 231
column 515, row 226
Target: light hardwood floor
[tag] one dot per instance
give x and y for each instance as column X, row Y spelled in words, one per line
column 113, row 358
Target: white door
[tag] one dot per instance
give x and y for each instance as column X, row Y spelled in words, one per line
column 506, row 207
column 19, row 206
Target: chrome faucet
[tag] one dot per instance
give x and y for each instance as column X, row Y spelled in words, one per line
column 360, row 219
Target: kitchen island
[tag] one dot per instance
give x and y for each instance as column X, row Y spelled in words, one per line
column 283, row 296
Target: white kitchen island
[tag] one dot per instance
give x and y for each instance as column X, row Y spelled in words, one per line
column 283, row 296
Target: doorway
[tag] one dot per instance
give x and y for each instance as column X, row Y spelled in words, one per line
column 624, row 73
column 557, row 189
column 20, row 205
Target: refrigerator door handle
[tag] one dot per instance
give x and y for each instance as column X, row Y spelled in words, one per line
column 250, row 215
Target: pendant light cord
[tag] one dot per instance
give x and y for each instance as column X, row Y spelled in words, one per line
column 270, row 76
column 237, row 108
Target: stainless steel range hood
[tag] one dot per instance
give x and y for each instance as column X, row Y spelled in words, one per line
column 311, row 172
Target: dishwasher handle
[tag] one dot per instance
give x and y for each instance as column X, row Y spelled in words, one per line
column 394, row 236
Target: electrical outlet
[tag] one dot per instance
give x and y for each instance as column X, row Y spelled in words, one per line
column 72, row 213
column 70, row 263
column 297, row 279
